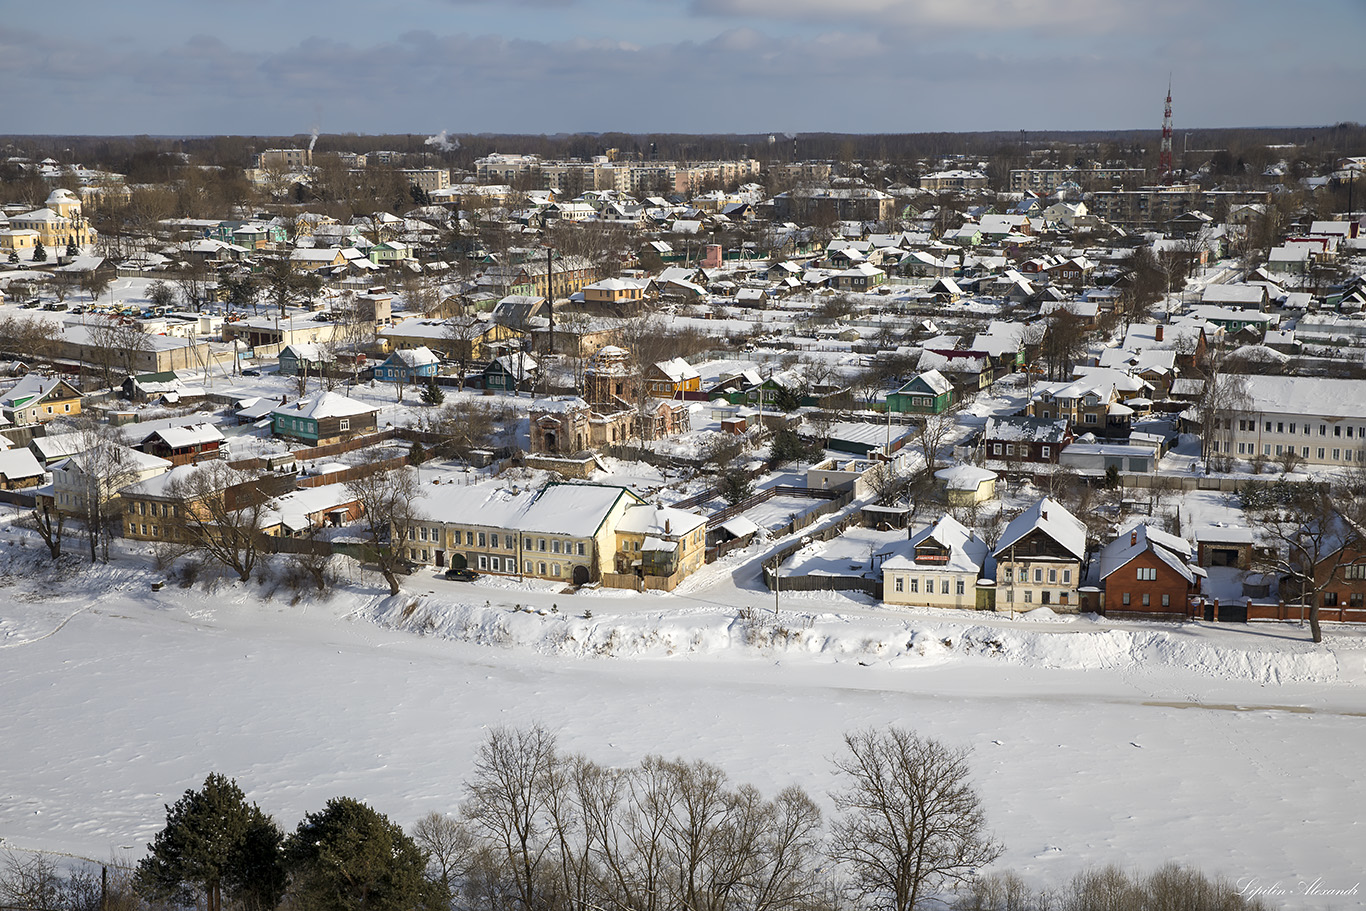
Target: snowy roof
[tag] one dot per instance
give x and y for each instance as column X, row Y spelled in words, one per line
column 678, row 370
column 964, row 477
column 576, row 510
column 1050, row 518
column 558, row 405
column 659, row 521
column 190, row 435
column 1312, row 396
column 1036, row 430
column 1140, row 538
column 18, row 463
column 327, row 405
column 967, row 552
column 420, row 356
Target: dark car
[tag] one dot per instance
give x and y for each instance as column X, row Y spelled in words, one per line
column 461, row 575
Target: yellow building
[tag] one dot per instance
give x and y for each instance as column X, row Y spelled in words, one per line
column 56, row 225
column 657, row 547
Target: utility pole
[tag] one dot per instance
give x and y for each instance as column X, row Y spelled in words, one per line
column 550, row 296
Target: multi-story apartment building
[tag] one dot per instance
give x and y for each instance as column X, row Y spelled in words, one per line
column 1046, row 180
column 570, row 178
column 1322, row 420
column 1158, row 205
column 427, row 179
column 284, row 159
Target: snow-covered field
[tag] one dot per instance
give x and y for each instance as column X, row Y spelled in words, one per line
column 1231, row 748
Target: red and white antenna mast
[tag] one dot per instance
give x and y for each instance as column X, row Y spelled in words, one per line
column 1164, row 157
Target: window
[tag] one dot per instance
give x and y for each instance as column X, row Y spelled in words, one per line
column 1337, row 454
column 555, row 570
column 540, row 542
column 1330, row 599
column 1323, row 430
column 1010, row 449
column 1038, row 575
column 900, row 584
column 1268, row 426
column 1354, row 571
column 1147, row 574
column 1067, row 577
column 527, row 566
column 1125, row 599
column 423, row 531
column 509, row 542
column 961, row 587
column 583, row 552
column 929, row 586
column 555, row 546
column 469, row 539
column 1166, row 600
column 1045, row 451
column 1147, row 599
column 915, row 586
column 1337, row 430
column 1029, row 596
column 1052, row 577
column 943, row 586
column 495, row 564
column 1090, row 417
column 344, row 424
column 483, row 539
column 1354, row 599
column 995, row 448
column 1292, row 426
column 483, row 562
column 541, row 567
column 526, row 545
column 1320, row 452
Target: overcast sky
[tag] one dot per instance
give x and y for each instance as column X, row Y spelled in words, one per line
column 697, row 66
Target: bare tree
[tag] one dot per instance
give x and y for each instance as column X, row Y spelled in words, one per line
column 220, row 512
column 386, row 500
column 115, row 347
column 911, row 823
column 507, row 804
column 49, row 523
column 94, row 476
column 1310, row 530
column 449, row 845
column 935, row 431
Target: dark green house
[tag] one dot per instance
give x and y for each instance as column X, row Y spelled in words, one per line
column 928, row 393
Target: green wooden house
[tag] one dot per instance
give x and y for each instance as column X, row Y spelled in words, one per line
column 927, row 393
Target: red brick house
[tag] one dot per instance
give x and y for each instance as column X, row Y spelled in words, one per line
column 1148, row 572
column 1340, row 578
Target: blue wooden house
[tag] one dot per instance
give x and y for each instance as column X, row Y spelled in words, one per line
column 408, row 365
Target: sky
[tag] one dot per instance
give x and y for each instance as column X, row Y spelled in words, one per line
column 284, row 67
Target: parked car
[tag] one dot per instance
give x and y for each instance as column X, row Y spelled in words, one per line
column 461, row 575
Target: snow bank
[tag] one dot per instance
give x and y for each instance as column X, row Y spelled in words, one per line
column 795, row 636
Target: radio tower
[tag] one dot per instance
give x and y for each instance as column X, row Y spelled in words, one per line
column 1164, row 157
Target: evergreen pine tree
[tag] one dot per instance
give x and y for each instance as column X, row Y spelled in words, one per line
column 215, row 842
column 350, row 857
column 14, row 256
column 432, row 394
column 39, row 254
column 71, row 249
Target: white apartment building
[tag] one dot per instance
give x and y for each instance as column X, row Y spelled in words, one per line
column 1323, row 420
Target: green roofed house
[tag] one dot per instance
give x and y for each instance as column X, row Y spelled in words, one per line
column 325, row 418
column 927, row 393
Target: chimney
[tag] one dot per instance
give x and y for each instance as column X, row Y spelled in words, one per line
column 1133, row 537
column 1159, row 333
column 1043, row 514
column 666, row 526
